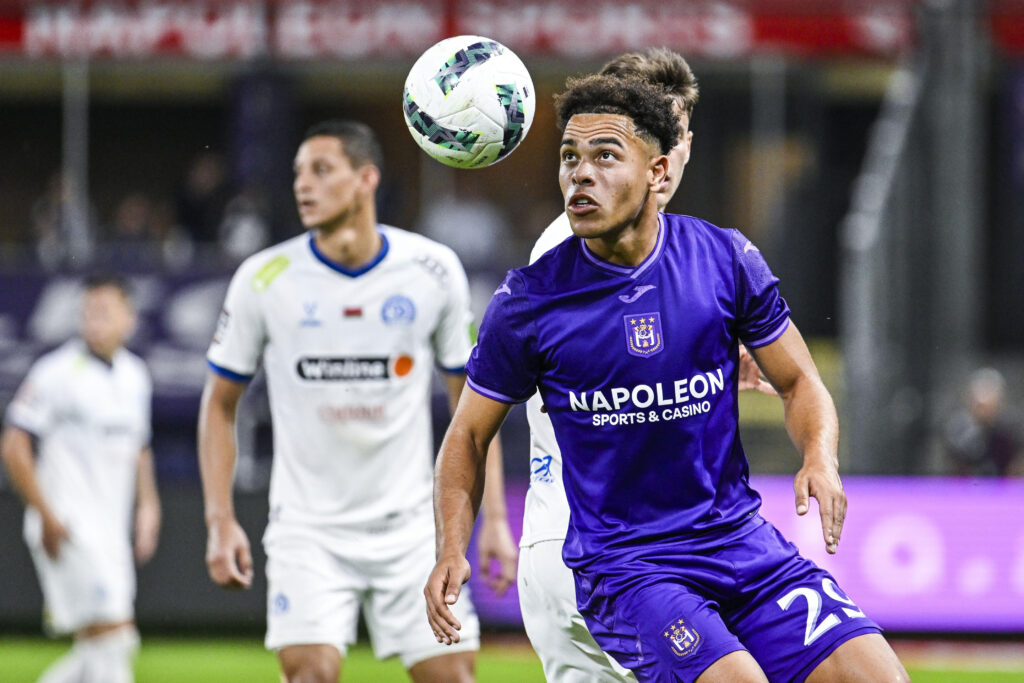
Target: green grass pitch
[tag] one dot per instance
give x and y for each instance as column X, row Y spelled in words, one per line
column 174, row 660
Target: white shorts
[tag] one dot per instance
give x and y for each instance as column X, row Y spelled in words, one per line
column 317, row 582
column 88, row 583
column 547, row 598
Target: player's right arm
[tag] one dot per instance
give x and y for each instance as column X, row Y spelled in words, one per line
column 233, row 357
column 228, row 556
column 19, row 461
column 458, row 489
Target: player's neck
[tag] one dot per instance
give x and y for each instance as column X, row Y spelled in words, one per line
column 351, row 245
column 104, row 355
column 631, row 243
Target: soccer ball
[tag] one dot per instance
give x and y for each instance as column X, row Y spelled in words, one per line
column 468, row 101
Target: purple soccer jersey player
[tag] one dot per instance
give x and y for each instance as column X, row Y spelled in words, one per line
column 643, row 399
column 630, row 330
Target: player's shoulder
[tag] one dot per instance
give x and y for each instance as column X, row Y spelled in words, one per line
column 407, row 243
column 267, row 264
column 700, row 230
column 693, row 225
column 436, row 258
column 133, row 361
column 59, row 359
column 557, row 232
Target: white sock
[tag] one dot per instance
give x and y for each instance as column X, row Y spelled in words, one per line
column 108, row 658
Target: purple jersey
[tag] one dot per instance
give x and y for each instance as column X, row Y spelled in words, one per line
column 637, row 369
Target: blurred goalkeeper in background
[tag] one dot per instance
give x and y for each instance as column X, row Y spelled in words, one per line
column 76, row 449
column 349, row 321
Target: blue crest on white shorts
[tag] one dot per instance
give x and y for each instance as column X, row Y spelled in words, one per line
column 682, row 638
column 643, row 334
column 280, row 603
column 398, row 310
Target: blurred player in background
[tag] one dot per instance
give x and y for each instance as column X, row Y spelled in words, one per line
column 631, row 332
column 349, row 320
column 76, row 448
column 547, row 595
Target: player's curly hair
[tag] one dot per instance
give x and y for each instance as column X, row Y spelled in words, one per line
column 645, row 103
column 662, row 67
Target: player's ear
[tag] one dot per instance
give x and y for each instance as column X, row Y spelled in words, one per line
column 657, row 171
column 369, row 176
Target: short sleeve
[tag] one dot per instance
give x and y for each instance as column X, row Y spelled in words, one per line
column 33, row 406
column 762, row 315
column 504, row 364
column 453, row 337
column 240, row 336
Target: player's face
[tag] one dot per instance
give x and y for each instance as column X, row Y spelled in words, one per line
column 107, row 320
column 607, row 173
column 328, row 190
column 678, row 156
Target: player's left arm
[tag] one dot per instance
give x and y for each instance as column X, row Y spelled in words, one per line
column 495, row 542
column 459, row 479
column 813, row 426
column 147, row 508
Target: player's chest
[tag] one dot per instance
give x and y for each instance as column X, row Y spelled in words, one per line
column 105, row 404
column 658, row 324
column 393, row 309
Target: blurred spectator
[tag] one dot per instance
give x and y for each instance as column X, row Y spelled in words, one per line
column 202, row 198
column 983, row 439
column 58, row 224
column 245, row 228
column 131, row 239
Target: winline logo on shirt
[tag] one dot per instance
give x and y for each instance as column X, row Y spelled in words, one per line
column 321, row 369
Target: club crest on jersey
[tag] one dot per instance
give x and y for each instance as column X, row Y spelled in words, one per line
column 643, row 334
column 682, row 638
column 398, row 310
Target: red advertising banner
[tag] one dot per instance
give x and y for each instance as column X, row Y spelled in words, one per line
column 347, row 29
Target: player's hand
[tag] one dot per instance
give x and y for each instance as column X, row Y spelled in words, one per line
column 495, row 544
column 442, row 591
column 147, row 531
column 749, row 375
column 54, row 533
column 228, row 557
column 821, row 481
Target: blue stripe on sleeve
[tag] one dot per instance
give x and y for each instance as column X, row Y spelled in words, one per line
column 228, row 374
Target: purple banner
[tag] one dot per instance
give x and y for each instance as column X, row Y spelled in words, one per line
column 917, row 554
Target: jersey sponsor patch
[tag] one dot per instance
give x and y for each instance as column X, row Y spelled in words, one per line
column 644, row 337
column 398, row 310
column 682, row 638
column 344, row 369
column 265, row 275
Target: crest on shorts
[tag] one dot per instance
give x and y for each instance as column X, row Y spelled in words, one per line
column 643, row 334
column 682, row 638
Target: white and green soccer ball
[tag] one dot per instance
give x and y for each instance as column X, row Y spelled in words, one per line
column 468, row 101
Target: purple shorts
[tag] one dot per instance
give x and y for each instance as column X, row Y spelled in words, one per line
column 669, row 615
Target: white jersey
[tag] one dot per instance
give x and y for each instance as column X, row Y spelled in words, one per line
column 546, row 511
column 349, row 357
column 91, row 419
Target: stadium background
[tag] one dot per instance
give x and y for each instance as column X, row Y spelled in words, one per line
column 874, row 150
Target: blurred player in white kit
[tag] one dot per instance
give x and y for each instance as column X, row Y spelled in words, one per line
column 76, row 447
column 349, row 320
column 547, row 594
